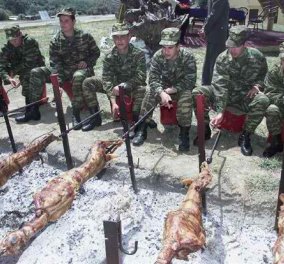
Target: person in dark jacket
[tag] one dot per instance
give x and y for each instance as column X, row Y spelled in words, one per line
column 215, row 31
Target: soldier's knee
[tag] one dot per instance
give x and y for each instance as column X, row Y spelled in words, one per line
column 262, row 99
column 272, row 110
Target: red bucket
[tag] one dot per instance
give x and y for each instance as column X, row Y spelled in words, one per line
column 233, row 123
column 128, row 107
column 169, row 116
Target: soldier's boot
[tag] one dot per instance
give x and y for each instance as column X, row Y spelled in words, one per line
column 275, row 146
column 31, row 113
column 152, row 124
column 244, row 143
column 207, row 134
column 141, row 134
column 95, row 121
column 76, row 119
column 135, row 120
column 184, row 139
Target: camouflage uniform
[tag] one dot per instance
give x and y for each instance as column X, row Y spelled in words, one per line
column 66, row 53
column 179, row 73
column 129, row 69
column 20, row 60
column 232, row 79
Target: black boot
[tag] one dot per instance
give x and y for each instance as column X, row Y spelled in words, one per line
column 141, row 134
column 32, row 113
column 152, row 124
column 244, row 143
column 96, row 121
column 132, row 133
column 275, row 146
column 184, row 138
column 207, row 135
column 76, row 118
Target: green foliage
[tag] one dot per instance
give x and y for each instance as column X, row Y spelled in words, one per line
column 4, row 15
column 270, row 164
column 31, row 7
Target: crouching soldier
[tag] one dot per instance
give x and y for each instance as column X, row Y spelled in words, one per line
column 18, row 57
column 73, row 54
column 237, row 82
column 172, row 77
column 124, row 66
column 274, row 90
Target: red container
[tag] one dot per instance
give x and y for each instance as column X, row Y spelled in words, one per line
column 128, row 107
column 233, row 123
column 4, row 94
column 169, row 116
column 67, row 87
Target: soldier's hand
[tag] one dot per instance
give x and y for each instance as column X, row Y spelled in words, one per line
column 14, row 83
column 253, row 91
column 82, row 65
column 216, row 121
column 115, row 110
column 115, row 90
column 166, row 100
column 170, row 90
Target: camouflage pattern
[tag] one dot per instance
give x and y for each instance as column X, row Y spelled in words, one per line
column 129, row 69
column 237, row 36
column 12, row 32
column 65, row 55
column 92, row 85
column 274, row 89
column 69, row 11
column 119, row 29
column 170, row 36
column 180, row 74
column 232, row 79
column 20, row 61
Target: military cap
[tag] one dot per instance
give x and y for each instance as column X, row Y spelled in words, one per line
column 119, row 29
column 69, row 11
column 237, row 36
column 170, row 36
column 281, row 49
column 12, row 32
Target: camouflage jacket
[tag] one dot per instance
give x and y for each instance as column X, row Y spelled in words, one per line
column 20, row 60
column 274, row 85
column 129, row 69
column 234, row 77
column 65, row 53
column 180, row 73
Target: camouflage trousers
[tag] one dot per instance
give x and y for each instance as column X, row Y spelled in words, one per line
column 93, row 85
column 184, row 105
column 274, row 119
column 41, row 75
column 254, row 108
column 25, row 82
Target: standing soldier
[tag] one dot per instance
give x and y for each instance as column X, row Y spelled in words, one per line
column 274, row 89
column 73, row 54
column 172, row 76
column 124, row 66
column 215, row 30
column 18, row 57
column 237, row 82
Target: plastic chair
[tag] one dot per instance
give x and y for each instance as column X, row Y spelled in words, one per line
column 232, row 122
column 255, row 18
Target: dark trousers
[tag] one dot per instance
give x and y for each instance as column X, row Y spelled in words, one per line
column 212, row 52
column 179, row 12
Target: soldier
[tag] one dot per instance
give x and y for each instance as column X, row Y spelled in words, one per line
column 215, row 30
column 237, row 82
column 172, row 76
column 274, row 90
column 18, row 57
column 125, row 65
column 73, row 54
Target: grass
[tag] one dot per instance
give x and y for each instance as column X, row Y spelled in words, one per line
column 270, row 164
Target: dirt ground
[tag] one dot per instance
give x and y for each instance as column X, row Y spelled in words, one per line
column 241, row 199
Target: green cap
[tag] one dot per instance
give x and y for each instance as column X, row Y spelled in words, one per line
column 12, row 32
column 119, row 29
column 170, row 37
column 281, row 49
column 237, row 36
column 69, row 11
